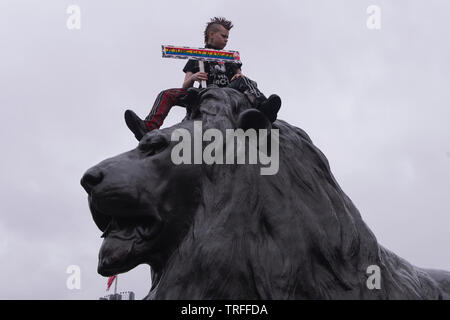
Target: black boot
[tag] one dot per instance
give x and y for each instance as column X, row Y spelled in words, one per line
column 270, row 107
column 135, row 124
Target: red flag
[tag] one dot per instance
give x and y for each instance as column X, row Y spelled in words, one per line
column 110, row 281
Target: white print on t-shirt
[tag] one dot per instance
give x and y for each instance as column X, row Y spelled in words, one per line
column 218, row 74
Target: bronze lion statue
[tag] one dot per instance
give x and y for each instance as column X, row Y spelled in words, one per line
column 224, row 231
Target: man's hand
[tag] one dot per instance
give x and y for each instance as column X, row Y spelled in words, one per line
column 199, row 76
column 237, row 75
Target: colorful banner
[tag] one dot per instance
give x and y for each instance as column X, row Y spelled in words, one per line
column 200, row 54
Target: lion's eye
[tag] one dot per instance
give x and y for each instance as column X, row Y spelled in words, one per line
column 153, row 145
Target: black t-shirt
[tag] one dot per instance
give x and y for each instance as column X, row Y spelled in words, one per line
column 219, row 73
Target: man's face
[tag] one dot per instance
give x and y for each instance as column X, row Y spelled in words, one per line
column 218, row 40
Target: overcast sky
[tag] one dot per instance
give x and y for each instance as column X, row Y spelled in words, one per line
column 374, row 101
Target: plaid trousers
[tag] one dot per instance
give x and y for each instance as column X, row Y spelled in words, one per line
column 168, row 98
column 164, row 102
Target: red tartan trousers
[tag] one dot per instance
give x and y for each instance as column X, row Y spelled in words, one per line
column 164, row 102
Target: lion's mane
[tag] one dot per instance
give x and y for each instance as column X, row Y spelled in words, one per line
column 293, row 235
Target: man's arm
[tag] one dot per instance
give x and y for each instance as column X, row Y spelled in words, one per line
column 237, row 75
column 190, row 78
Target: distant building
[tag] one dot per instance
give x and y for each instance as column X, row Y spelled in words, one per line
column 126, row 295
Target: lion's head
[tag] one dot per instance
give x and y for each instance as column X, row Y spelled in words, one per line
column 224, row 231
column 141, row 203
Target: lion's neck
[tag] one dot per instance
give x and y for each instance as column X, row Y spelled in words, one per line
column 214, row 256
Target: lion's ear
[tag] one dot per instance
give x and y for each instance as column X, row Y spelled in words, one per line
column 253, row 119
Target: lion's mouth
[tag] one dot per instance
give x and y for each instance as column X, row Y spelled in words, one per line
column 126, row 240
column 130, row 229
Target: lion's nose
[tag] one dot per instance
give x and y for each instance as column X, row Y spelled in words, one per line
column 91, row 178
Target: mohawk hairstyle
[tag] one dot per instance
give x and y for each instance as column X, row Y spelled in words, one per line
column 213, row 26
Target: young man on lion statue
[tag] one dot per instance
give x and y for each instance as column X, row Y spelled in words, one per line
column 220, row 74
